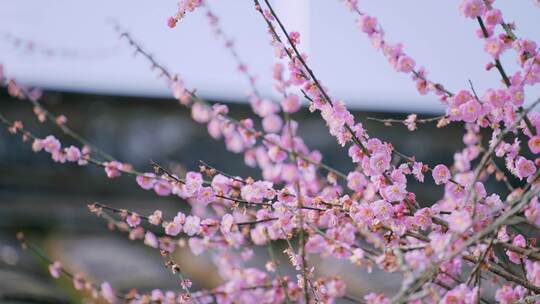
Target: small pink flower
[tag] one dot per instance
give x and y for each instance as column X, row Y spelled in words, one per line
column 264, row 107
column 373, row 298
column 221, row 183
column 534, row 144
column 405, row 64
column 508, row 295
column 394, row 193
column 84, row 157
column 172, row 228
column 517, row 95
column 416, row 260
column 382, row 209
column 157, row 296
column 73, row 154
column 201, row 113
column 379, row 163
column 113, row 169
column 151, row 240
column 196, row 245
column 422, row 218
column 51, row 144
column 192, row 225
column 258, row 235
column 524, row 167
column 472, row 8
column 460, row 294
column 356, row 181
column 272, row 123
column 155, row 218
column 291, row 104
column 206, row 195
column 146, row 181
column 107, row 292
column 59, row 156
column 295, row 37
column 180, row 218
column 439, row 242
column 503, row 234
column 179, row 90
column 335, row 288
column 162, row 187
column 441, row 174
column 227, row 222
column 357, row 256
column 316, row 244
column 494, row 47
column 55, row 269
column 256, row 192
column 410, row 122
column 367, row 24
column 470, row 111
column 533, row 272
column 418, row 171
column 518, row 241
column 38, row 145
column 194, row 182
column 328, row 219
column 532, row 213
column 78, row 281
column 186, row 284
column 459, row 221
column 493, row 17
column 133, row 220
column 171, row 22
column 524, row 45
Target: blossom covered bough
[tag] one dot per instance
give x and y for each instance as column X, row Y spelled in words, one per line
column 444, row 250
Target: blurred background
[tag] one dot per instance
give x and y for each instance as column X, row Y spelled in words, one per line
column 113, row 99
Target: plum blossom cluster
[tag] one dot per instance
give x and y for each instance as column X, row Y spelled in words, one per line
column 184, row 7
column 394, row 53
column 368, row 217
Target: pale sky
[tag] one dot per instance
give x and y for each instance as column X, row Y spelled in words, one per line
column 95, row 60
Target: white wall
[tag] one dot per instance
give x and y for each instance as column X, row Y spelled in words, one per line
column 96, row 61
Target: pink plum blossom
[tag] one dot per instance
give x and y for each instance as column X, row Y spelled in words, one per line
column 51, row 144
column 291, row 103
column 55, row 269
column 171, row 22
column 518, row 241
column 506, row 294
column 405, row 64
column 192, row 225
column 367, row 24
column 472, row 8
column 441, row 174
column 107, row 292
column 146, row 181
column 155, row 218
column 172, row 228
column 459, row 221
column 524, row 167
column 151, row 240
column 133, row 220
column 113, row 169
column 493, row 17
column 379, row 163
column 162, row 187
column 534, row 144
column 73, row 154
column 227, row 223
